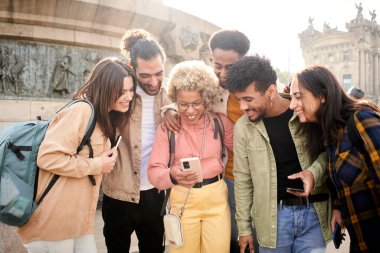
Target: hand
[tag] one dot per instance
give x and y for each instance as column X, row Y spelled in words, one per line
column 172, row 121
column 336, row 217
column 286, row 89
column 186, row 178
column 308, row 183
column 244, row 241
column 108, row 160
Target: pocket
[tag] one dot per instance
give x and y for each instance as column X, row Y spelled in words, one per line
column 258, row 154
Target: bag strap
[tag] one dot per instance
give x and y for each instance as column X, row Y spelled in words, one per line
column 356, row 139
column 85, row 141
column 171, row 139
column 219, row 127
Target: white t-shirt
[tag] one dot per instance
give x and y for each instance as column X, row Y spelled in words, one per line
column 148, row 132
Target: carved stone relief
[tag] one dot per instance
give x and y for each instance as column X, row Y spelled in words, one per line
column 204, row 51
column 189, row 38
column 44, row 70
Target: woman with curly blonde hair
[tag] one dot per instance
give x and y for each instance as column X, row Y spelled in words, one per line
column 206, row 217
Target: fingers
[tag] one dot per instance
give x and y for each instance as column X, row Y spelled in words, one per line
column 173, row 124
column 295, row 176
column 109, row 160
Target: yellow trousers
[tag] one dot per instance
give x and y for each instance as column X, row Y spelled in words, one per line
column 206, row 221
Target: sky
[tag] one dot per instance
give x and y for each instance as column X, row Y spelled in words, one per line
column 273, row 25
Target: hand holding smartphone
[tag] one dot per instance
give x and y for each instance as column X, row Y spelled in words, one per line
column 338, row 236
column 193, row 164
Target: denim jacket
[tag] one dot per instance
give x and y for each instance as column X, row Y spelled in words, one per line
column 256, row 180
column 123, row 183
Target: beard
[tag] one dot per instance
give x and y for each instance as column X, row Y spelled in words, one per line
column 260, row 113
column 145, row 88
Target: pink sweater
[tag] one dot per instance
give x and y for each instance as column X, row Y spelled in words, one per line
column 188, row 144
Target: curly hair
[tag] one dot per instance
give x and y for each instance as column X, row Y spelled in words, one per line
column 140, row 43
column 230, row 40
column 194, row 76
column 251, row 69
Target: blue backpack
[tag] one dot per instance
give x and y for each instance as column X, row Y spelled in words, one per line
column 19, row 145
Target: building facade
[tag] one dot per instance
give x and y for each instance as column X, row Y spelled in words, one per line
column 352, row 55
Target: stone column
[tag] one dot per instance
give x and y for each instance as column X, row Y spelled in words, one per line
column 362, row 69
column 376, row 74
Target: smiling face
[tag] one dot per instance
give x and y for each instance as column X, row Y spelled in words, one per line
column 190, row 106
column 304, row 103
column 255, row 104
column 125, row 96
column 149, row 74
column 223, row 59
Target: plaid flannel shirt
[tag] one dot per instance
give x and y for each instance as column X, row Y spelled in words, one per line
column 358, row 183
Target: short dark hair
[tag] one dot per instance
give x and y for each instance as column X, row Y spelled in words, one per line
column 251, row 69
column 140, row 43
column 230, row 40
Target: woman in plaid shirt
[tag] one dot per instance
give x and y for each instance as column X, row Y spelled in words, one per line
column 354, row 168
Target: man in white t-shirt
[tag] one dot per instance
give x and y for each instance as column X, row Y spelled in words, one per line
column 130, row 202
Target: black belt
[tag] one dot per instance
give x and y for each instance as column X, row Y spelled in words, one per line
column 304, row 200
column 209, row 181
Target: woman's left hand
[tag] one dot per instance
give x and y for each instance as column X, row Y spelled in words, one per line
column 336, row 217
column 308, row 183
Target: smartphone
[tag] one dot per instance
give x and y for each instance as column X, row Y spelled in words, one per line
column 295, row 189
column 117, row 144
column 338, row 236
column 118, row 141
column 192, row 163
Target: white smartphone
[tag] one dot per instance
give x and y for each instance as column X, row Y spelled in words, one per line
column 118, row 141
column 192, row 163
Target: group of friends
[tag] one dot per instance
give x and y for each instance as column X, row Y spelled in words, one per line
column 290, row 172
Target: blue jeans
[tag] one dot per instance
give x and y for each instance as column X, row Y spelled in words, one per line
column 298, row 231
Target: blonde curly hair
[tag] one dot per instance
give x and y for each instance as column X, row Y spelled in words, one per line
column 194, row 76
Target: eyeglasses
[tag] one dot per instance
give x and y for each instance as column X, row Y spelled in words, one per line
column 196, row 105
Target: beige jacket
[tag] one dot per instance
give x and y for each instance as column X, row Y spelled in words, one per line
column 123, row 183
column 68, row 210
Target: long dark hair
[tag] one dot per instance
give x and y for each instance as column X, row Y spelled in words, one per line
column 332, row 114
column 102, row 88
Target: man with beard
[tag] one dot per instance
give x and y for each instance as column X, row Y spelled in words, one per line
column 270, row 157
column 131, row 203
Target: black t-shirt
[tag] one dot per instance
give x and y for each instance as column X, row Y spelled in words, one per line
column 284, row 152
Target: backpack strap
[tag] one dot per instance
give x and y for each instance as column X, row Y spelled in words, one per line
column 217, row 123
column 48, row 188
column 171, row 139
column 85, row 141
column 356, row 139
